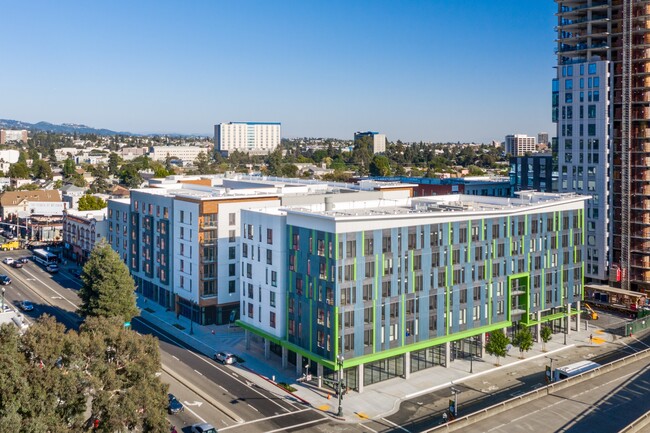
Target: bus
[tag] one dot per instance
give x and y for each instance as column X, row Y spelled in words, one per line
column 574, row 369
column 45, row 258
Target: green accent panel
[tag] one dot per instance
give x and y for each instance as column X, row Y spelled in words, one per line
column 525, row 276
column 552, row 317
column 374, row 320
column 336, row 332
column 363, row 243
column 482, row 229
column 353, row 362
column 311, row 321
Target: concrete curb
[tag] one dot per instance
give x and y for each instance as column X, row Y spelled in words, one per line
column 302, row 400
column 229, row 413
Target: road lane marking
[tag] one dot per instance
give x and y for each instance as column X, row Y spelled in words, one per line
column 365, row 426
column 173, row 356
column 224, row 389
column 252, row 407
column 264, row 419
column 196, row 415
column 395, row 425
column 297, row 425
column 213, row 365
column 198, row 372
column 62, row 297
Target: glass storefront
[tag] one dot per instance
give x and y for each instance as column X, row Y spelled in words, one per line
column 427, row 358
column 383, row 369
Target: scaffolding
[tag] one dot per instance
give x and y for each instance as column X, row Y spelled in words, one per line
column 626, row 138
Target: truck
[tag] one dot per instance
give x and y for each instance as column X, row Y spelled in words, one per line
column 11, row 245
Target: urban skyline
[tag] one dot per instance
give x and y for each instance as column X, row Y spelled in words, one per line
column 425, row 71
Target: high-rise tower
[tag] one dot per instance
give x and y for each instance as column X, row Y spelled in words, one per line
column 601, row 103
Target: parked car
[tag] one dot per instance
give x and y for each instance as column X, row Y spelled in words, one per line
column 17, row 264
column 203, row 428
column 224, row 357
column 52, row 268
column 4, row 280
column 26, row 305
column 23, row 260
column 7, row 260
column 76, row 273
column 174, row 405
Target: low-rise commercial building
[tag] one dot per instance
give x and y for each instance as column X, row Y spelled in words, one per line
column 82, row 230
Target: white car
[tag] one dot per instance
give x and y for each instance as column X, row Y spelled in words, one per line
column 224, row 357
column 203, row 428
column 7, row 260
column 52, row 268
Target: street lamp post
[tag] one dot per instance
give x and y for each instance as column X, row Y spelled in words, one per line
column 339, row 362
column 455, row 392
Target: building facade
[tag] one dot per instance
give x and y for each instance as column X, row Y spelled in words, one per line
column 533, row 172
column 187, row 154
column 378, row 140
column 82, row 230
column 247, row 137
column 520, row 144
column 398, row 287
column 9, row 135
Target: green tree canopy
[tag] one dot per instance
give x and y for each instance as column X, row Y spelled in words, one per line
column 69, row 167
column 19, row 170
column 497, row 344
column 380, row 166
column 51, row 380
column 113, row 163
column 108, row 288
column 546, row 333
column 523, row 340
column 91, row 202
column 41, row 169
column 129, row 176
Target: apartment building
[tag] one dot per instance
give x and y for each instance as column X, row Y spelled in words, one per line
column 118, row 211
column 520, row 144
column 9, row 135
column 187, row 154
column 247, row 137
column 377, row 140
column 397, row 287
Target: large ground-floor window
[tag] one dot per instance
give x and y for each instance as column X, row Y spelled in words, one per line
column 383, row 369
column 426, row 358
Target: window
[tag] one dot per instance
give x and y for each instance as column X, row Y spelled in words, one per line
column 269, row 257
column 568, row 97
column 231, row 236
column 244, row 249
column 269, row 236
column 272, row 319
column 182, row 215
column 231, row 253
column 231, row 270
column 591, row 111
column 568, row 84
column 231, row 286
column 592, row 68
column 274, row 278
column 231, row 219
column 296, row 241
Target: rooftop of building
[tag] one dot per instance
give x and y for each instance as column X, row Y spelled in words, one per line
column 97, row 215
column 435, row 205
column 13, row 198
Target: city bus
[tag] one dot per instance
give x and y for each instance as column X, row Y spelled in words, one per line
column 45, row 258
column 574, row 369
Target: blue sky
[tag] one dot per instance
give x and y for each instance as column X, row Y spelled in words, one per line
column 437, row 70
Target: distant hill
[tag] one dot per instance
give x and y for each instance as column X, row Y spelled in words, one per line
column 65, row 128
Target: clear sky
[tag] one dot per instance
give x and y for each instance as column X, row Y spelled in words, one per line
column 436, row 70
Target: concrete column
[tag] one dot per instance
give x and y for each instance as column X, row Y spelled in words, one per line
column 319, row 373
column 360, row 378
column 447, row 354
column 578, row 316
column 482, row 345
column 298, row 364
column 538, row 327
column 568, row 319
column 285, row 357
column 407, row 365
column 267, row 348
column 247, row 338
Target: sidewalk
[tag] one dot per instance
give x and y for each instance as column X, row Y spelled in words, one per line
column 377, row 400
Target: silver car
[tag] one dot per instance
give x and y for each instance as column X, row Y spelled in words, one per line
column 224, row 358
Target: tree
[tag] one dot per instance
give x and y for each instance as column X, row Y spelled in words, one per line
column 380, row 166
column 129, row 176
column 497, row 344
column 523, row 340
column 19, row 170
column 69, row 167
column 546, row 333
column 91, row 202
column 113, row 163
column 51, row 380
column 108, row 288
column 41, row 169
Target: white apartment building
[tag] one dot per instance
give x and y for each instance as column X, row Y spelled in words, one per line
column 187, row 154
column 9, row 156
column 263, row 269
column 520, row 144
column 378, row 140
column 247, row 137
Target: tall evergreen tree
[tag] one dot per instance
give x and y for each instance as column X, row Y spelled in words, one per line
column 108, row 288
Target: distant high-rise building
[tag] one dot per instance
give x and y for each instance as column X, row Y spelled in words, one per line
column 542, row 138
column 520, row 144
column 378, row 140
column 247, row 137
column 601, row 104
column 7, row 135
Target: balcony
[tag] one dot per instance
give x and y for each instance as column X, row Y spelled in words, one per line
column 209, row 225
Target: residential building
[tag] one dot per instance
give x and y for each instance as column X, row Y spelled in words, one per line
column 9, row 156
column 520, row 144
column 478, row 185
column 82, row 230
column 71, row 195
column 187, row 154
column 377, row 140
column 9, row 135
column 118, row 237
column 398, row 286
column 533, row 172
column 542, row 138
column 247, row 137
column 25, row 203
